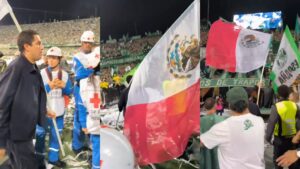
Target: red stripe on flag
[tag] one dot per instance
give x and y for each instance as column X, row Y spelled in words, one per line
column 221, row 46
column 160, row 131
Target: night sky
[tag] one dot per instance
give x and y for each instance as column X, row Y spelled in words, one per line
column 119, row 17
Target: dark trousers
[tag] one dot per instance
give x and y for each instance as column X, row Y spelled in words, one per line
column 220, row 112
column 281, row 145
column 22, row 155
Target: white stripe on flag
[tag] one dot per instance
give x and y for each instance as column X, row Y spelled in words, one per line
column 156, row 73
column 4, row 8
column 252, row 50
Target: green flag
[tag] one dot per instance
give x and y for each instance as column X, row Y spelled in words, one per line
column 286, row 65
column 131, row 73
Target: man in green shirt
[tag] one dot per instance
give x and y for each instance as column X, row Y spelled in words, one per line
column 209, row 158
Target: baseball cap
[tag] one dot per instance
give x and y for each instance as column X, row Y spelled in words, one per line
column 236, row 94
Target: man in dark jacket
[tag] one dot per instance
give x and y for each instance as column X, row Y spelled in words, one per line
column 253, row 108
column 124, row 96
column 22, row 103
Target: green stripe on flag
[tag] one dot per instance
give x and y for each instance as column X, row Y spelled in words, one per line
column 274, row 84
column 291, row 40
column 272, row 76
column 131, row 73
column 275, row 87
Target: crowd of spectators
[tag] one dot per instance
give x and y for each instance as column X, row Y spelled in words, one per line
column 128, row 47
column 54, row 33
column 107, row 73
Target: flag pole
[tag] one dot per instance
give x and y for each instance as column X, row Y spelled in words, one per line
column 198, row 25
column 58, row 137
column 260, row 80
column 55, row 127
column 15, row 20
column 261, row 76
column 199, row 36
column 259, row 85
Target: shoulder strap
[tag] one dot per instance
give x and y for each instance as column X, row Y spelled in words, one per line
column 49, row 74
column 59, row 76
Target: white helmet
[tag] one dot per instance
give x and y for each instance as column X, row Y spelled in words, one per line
column 93, row 58
column 54, row 51
column 116, row 151
column 88, row 36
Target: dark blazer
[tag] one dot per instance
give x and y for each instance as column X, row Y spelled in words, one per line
column 22, row 101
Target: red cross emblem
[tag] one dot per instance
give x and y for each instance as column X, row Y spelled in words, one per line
column 95, row 100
